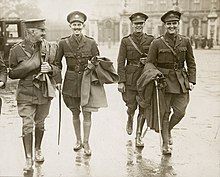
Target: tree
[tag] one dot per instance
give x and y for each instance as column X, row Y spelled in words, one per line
column 19, row 8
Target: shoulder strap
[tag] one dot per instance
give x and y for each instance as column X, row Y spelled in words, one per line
column 135, row 46
column 69, row 45
column 174, row 53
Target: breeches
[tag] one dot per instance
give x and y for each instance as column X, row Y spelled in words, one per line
column 130, row 98
column 176, row 102
column 73, row 103
column 33, row 115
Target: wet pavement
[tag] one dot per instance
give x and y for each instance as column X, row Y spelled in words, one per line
column 196, row 150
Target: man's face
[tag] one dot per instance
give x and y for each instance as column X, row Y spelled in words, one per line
column 138, row 26
column 77, row 27
column 36, row 34
column 172, row 27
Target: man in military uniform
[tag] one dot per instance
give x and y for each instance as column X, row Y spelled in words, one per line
column 31, row 61
column 170, row 53
column 78, row 50
column 131, row 58
column 3, row 77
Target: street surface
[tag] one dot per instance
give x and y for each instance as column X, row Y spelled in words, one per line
column 196, row 151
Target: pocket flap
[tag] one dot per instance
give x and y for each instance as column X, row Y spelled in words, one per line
column 71, row 75
column 164, row 50
column 164, row 71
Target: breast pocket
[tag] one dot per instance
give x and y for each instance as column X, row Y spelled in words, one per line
column 70, row 59
column 146, row 49
column 22, row 58
column 165, row 56
column 182, row 53
column 130, row 52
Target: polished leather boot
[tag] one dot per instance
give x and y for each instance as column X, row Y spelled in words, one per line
column 87, row 149
column 78, row 145
column 28, row 145
column 129, row 126
column 170, row 138
column 77, row 128
column 166, row 150
column 140, row 124
column 38, row 139
column 86, row 129
column 39, row 156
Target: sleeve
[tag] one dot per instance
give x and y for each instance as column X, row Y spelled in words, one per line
column 122, row 55
column 57, row 66
column 3, row 72
column 95, row 50
column 190, row 63
column 153, row 53
column 12, row 62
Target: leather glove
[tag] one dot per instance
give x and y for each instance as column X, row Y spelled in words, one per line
column 121, row 87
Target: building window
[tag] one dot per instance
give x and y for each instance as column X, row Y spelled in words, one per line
column 214, row 1
column 196, row 1
column 162, row 2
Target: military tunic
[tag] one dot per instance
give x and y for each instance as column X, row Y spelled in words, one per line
column 173, row 67
column 130, row 68
column 174, row 58
column 32, row 105
column 26, row 91
column 77, row 51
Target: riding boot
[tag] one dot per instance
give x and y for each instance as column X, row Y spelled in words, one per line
column 38, row 139
column 140, row 124
column 173, row 121
column 166, row 150
column 76, row 124
column 28, row 145
column 86, row 129
column 129, row 126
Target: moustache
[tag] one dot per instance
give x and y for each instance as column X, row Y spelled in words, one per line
column 77, row 29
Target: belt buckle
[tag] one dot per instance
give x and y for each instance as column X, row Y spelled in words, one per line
column 175, row 67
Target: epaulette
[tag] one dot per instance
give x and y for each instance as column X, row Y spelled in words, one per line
column 65, row 37
column 89, row 37
column 149, row 35
column 158, row 37
column 127, row 36
column 16, row 44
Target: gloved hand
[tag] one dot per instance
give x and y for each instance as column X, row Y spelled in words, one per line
column 121, row 87
column 191, row 86
column 1, row 84
column 143, row 60
column 58, row 86
column 45, row 67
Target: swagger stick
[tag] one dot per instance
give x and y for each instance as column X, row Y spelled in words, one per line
column 158, row 108
column 59, row 123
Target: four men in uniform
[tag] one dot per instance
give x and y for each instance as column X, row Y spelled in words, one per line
column 33, row 62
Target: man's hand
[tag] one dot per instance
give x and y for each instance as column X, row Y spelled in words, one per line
column 1, row 84
column 58, row 86
column 45, row 67
column 191, row 86
column 143, row 60
column 121, row 87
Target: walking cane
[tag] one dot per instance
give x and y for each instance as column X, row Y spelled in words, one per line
column 59, row 123
column 0, row 106
column 158, row 108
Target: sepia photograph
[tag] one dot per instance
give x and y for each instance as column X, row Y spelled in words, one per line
column 120, row 88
